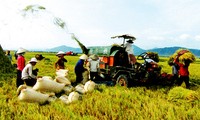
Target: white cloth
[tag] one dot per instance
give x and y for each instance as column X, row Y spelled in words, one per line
column 129, row 48
column 27, row 72
column 94, row 65
column 174, row 70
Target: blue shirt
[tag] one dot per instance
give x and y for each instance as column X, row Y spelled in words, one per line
column 79, row 66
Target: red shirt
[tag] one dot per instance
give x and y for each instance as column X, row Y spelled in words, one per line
column 183, row 71
column 20, row 62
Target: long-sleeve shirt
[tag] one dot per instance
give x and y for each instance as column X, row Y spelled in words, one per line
column 79, row 68
column 28, row 72
column 20, row 62
column 60, row 63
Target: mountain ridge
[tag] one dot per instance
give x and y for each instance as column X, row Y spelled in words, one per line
column 165, row 51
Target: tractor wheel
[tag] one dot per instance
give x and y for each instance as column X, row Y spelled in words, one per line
column 122, row 81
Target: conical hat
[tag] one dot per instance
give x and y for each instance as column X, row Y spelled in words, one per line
column 83, row 57
column 60, row 53
column 21, row 50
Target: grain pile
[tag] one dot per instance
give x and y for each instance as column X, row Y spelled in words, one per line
column 180, row 93
column 184, row 55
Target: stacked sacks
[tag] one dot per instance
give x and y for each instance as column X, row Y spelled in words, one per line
column 62, row 76
column 46, row 87
column 79, row 90
column 184, row 55
column 73, row 97
column 88, row 87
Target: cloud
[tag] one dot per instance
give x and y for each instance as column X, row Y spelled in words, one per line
column 184, row 36
column 197, row 37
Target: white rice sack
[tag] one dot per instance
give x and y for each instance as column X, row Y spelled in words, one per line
column 32, row 96
column 46, row 85
column 62, row 72
column 21, row 87
column 80, row 88
column 89, row 86
column 73, row 96
column 68, row 89
column 62, row 79
column 47, row 77
column 64, row 99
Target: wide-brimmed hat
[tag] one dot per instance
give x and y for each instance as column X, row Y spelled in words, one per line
column 21, row 50
column 33, row 60
column 129, row 41
column 94, row 57
column 83, row 57
column 60, row 53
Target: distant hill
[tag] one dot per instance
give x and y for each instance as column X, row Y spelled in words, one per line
column 64, row 48
column 166, row 51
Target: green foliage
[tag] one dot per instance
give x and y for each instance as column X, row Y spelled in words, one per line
column 5, row 63
column 105, row 102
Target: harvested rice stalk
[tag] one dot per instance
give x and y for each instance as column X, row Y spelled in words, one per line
column 185, row 55
column 179, row 93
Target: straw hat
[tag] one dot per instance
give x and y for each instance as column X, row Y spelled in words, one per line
column 83, row 57
column 33, row 60
column 94, row 57
column 21, row 50
column 60, row 53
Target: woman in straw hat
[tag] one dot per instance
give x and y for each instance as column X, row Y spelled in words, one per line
column 79, row 68
column 60, row 63
column 27, row 73
column 20, row 65
column 94, row 67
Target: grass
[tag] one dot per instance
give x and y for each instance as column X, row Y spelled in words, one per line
column 140, row 103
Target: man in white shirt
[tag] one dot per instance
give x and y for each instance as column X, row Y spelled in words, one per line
column 94, row 67
column 27, row 73
column 129, row 49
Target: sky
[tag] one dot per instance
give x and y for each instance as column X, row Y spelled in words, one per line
column 154, row 23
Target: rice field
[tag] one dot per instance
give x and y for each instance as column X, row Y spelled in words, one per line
column 106, row 103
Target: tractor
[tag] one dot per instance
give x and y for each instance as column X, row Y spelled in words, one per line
column 115, row 66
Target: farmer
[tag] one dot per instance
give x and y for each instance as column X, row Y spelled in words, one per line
column 9, row 55
column 20, row 65
column 79, row 68
column 27, row 73
column 60, row 63
column 175, row 72
column 183, row 72
column 93, row 67
column 129, row 49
